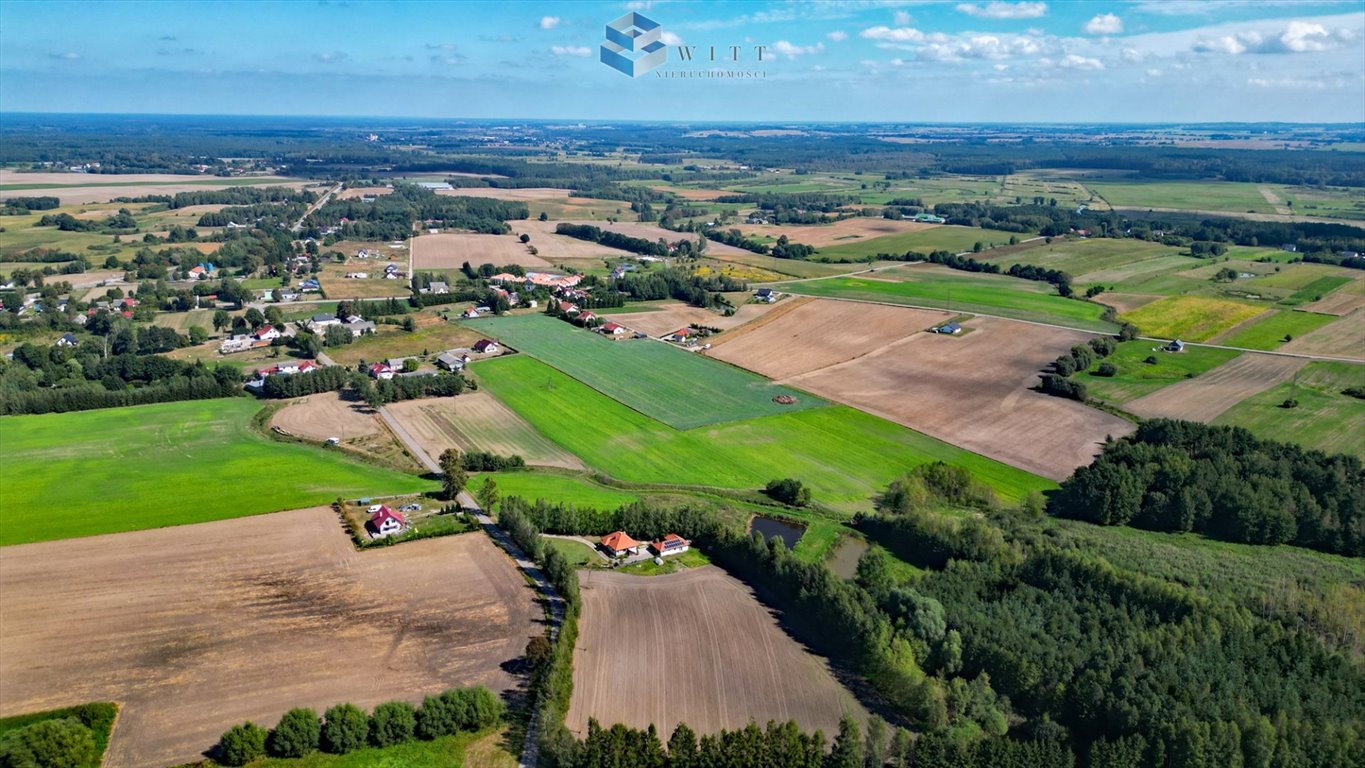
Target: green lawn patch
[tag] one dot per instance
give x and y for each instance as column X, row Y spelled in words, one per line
column 986, row 294
column 692, row 558
column 679, row 388
column 843, row 454
column 150, row 466
column 1192, row 318
column 1236, row 197
column 1325, row 418
column 1080, row 258
column 923, row 241
column 578, row 553
column 443, row 752
column 556, row 488
column 1136, row 377
column 1270, row 330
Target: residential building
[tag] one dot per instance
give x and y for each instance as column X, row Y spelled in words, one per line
column 618, row 544
column 672, row 544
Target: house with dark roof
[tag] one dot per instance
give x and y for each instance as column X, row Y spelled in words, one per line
column 449, row 362
column 67, row 340
column 386, row 522
column 487, row 347
column 766, row 294
column 949, row 328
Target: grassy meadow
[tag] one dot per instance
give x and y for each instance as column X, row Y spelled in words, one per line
column 571, row 490
column 1275, row 328
column 150, row 466
column 845, row 455
column 1137, row 378
column 924, row 241
column 1325, row 419
column 1191, row 318
column 681, row 389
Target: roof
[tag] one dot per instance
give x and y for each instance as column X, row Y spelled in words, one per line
column 618, row 540
column 384, row 514
column 670, row 540
column 322, row 318
column 447, row 358
column 763, row 291
column 611, row 327
column 263, row 330
column 683, row 332
column 483, row 344
column 950, row 327
column 380, row 368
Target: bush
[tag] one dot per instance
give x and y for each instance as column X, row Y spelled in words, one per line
column 1107, row 369
column 788, row 491
column 61, row 743
column 296, row 734
column 392, row 723
column 443, row 715
column 241, row 744
column 346, row 729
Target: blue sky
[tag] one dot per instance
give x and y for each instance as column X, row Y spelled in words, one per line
column 865, row 60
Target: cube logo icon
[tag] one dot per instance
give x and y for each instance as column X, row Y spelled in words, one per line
column 632, row 46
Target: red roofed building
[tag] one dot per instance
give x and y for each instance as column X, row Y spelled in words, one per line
column 386, row 522
column 672, row 544
column 612, row 329
column 381, row 371
column 618, row 543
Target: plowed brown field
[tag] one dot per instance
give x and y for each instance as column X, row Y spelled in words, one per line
column 450, row 250
column 1340, row 338
column 1206, row 396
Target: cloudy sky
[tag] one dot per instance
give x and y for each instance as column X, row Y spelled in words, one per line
column 867, row 60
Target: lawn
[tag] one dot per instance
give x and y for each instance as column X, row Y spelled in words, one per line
column 1325, row 418
column 578, row 553
column 681, row 389
column 1191, row 318
column 443, row 752
column 924, row 241
column 845, row 455
column 556, row 488
column 985, row 294
column 150, row 466
column 1275, row 328
column 1136, row 377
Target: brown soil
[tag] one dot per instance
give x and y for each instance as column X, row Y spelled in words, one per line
column 318, row 417
column 1343, row 301
column 838, row 233
column 197, row 627
column 1340, row 338
column 670, row 318
column 1206, row 396
column 693, row 647
column 1126, row 302
column 451, row 250
column 477, row 421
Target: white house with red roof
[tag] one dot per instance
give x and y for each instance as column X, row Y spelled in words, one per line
column 672, row 544
column 612, row 329
column 587, row 318
column 381, row 371
column 266, row 333
column 618, row 543
column 682, row 334
column 386, row 522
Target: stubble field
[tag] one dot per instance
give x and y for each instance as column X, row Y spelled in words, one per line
column 1204, row 397
column 476, row 421
column 209, row 625
column 324, row 415
column 450, row 250
column 840, row 232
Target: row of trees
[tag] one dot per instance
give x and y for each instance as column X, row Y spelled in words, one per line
column 612, row 239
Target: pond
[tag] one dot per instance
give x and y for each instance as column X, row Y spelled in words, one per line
column 844, row 560
column 790, row 533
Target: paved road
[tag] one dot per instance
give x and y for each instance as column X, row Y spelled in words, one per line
column 321, row 202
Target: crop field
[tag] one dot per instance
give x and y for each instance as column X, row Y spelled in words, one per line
column 1326, row 419
column 681, row 389
column 1137, row 378
column 1343, row 301
column 1191, row 318
column 821, row 333
column 476, row 421
column 524, row 195
column 974, row 391
column 1343, row 338
column 793, row 267
column 556, row 488
column 935, row 238
column 450, row 250
column 724, row 658
column 1204, row 397
column 1126, row 302
column 667, row 318
column 1234, row 197
column 841, row 232
column 148, row 466
column 1317, row 290
column 78, row 188
column 938, row 288
column 558, row 248
column 844, row 455
column 196, row 628
column 1273, row 329
column 1081, row 258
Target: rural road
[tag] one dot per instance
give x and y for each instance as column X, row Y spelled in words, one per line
column 416, row 449
column 298, row 225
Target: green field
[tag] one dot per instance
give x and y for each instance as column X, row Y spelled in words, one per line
column 1315, row 290
column 924, row 241
column 577, row 552
column 985, row 294
column 1192, row 318
column 1325, row 419
column 1235, row 197
column 681, row 389
column 127, row 469
column 1111, row 258
column 570, row 490
column 1136, row 378
column 1270, row 330
column 845, row 455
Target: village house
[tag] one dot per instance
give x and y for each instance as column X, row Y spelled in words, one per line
column 67, row 340
column 439, row 287
column 359, row 327
column 318, row 323
column 382, row 371
column 283, row 369
column 487, row 347
column 266, row 333
column 672, row 544
column 386, row 522
column 766, row 294
column 449, row 362
column 949, row 328
column 587, row 318
column 612, row 329
column 618, row 544
column 680, row 335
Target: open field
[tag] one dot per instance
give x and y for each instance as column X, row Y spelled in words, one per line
column 432, row 336
column 476, row 421
column 1136, row 377
column 821, row 333
column 209, row 625
column 148, row 466
column 973, row 391
column 1192, row 318
column 1204, row 397
column 77, row 188
column 450, row 250
column 1270, row 330
column 1342, row 301
column 671, row 317
column 841, row 232
column 1325, row 419
column 927, row 286
column 181, row 322
column 356, row 192
column 844, row 455
column 937, row 237
column 681, row 389
column 693, row 647
column 524, row 194
column 324, row 415
column 561, row 247
column 1126, row 302
column 793, row 267
column 1112, row 259
column 654, row 232
column 1235, row 197
column 1343, row 338
column 555, row 487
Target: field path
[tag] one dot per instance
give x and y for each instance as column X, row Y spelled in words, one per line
column 1275, row 201
column 1205, row 397
column 412, row 444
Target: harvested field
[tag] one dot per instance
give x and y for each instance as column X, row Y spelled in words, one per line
column 974, row 391
column 95, row 277
column 1204, row 397
column 477, row 421
column 329, row 414
column 1341, row 338
column 80, row 188
column 355, row 192
column 838, row 233
column 1342, row 301
column 1192, row 318
column 496, row 193
column 821, row 333
column 688, row 193
column 726, row 659
column 1126, row 302
column 213, row 624
column 654, row 232
column 449, row 251
column 670, row 317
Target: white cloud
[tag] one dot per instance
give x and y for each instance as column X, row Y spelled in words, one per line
column 549, row 22
column 902, row 19
column 639, row 5
column 784, row 48
column 1073, row 61
column 669, row 38
column 329, row 57
column 1294, row 83
column 1001, row 10
column 897, row 35
column 1297, row 37
column 838, row 36
column 1154, row 73
column 990, row 47
column 571, row 50
column 1104, row 24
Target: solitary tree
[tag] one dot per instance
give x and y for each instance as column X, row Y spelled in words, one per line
column 221, row 319
column 452, row 471
column 255, row 318
column 525, row 238
column 488, row 494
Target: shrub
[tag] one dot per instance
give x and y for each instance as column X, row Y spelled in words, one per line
column 1103, row 346
column 1151, row 360
column 392, row 723
column 1107, row 369
column 788, row 491
column 58, row 743
column 241, row 744
column 485, row 708
column 442, row 715
column 346, row 729
column 1290, row 403
column 296, row 734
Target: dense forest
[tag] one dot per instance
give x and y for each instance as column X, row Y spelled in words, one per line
column 392, row 216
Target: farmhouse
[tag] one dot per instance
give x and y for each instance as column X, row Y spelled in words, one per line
column 766, row 294
column 680, row 335
column 439, row 287
column 449, row 362
column 385, row 522
column 360, row 327
column 67, row 340
column 318, row 323
column 265, row 333
column 487, row 347
column 1175, row 346
column 587, row 318
column 612, row 329
column 672, row 544
column 381, row 371
column 618, row 544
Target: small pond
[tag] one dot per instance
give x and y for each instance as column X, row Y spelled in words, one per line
column 844, row 560
column 790, row 533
